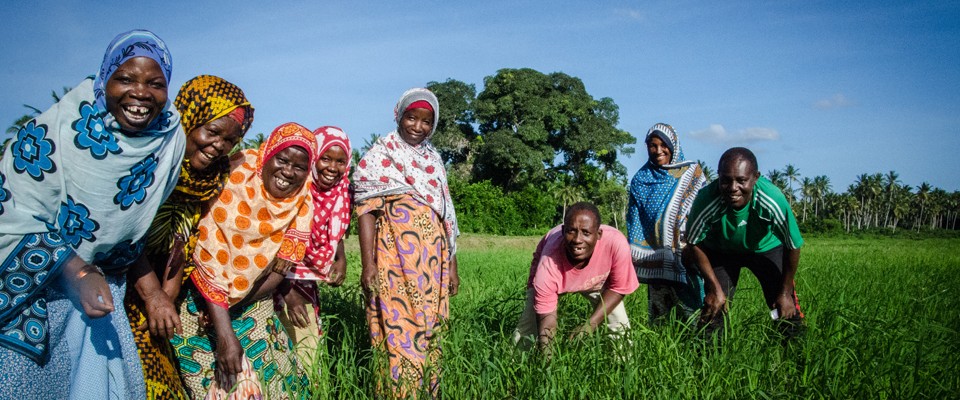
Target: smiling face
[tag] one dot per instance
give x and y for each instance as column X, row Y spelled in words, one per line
column 331, row 166
column 212, row 140
column 284, row 173
column 415, row 125
column 581, row 231
column 737, row 179
column 136, row 93
column 658, row 151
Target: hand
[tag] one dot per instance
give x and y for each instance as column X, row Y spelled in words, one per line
column 582, row 331
column 454, row 284
column 228, row 356
column 368, row 279
column 785, row 305
column 162, row 318
column 296, row 309
column 92, row 291
column 713, row 303
column 338, row 273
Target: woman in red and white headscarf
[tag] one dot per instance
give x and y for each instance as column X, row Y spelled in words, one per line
column 408, row 230
column 297, row 302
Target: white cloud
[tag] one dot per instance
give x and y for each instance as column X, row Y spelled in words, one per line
column 632, row 14
column 718, row 134
column 836, row 101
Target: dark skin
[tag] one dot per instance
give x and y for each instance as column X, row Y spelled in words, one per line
column 581, row 232
column 206, row 144
column 414, row 127
column 88, row 287
column 738, row 178
column 659, row 155
column 283, row 175
column 297, row 304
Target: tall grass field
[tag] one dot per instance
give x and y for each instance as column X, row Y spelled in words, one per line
column 882, row 316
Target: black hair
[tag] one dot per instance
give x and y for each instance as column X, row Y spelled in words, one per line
column 738, row 153
column 582, row 206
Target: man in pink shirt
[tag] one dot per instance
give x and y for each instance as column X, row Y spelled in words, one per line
column 580, row 256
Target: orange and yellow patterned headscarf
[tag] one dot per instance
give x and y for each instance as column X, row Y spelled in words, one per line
column 246, row 228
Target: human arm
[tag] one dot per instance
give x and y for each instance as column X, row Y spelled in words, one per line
column 546, row 329
column 608, row 301
column 714, row 300
column 228, row 351
column 785, row 304
column 296, row 304
column 368, row 252
column 162, row 318
column 264, row 287
column 338, row 271
column 88, row 284
column 172, row 279
column 454, row 276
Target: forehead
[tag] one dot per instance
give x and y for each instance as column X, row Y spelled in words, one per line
column 581, row 217
column 736, row 166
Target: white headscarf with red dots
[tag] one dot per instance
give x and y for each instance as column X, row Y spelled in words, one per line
column 392, row 166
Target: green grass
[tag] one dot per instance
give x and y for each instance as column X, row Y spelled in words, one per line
column 883, row 317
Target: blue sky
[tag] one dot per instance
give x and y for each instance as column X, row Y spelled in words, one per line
column 834, row 88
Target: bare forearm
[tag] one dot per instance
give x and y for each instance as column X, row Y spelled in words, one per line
column 693, row 253
column 608, row 301
column 791, row 259
column 146, row 282
column 368, row 247
column 547, row 328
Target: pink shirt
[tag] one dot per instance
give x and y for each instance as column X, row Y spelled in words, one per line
column 551, row 274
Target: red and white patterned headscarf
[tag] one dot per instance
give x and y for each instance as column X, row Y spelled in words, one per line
column 331, row 213
column 393, row 166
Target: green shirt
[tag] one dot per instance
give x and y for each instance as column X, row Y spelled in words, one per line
column 763, row 224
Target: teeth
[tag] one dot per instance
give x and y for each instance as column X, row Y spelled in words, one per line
column 282, row 184
column 137, row 109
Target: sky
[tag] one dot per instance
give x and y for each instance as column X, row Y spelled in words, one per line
column 833, row 88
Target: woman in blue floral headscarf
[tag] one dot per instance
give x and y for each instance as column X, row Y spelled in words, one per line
column 661, row 194
column 79, row 187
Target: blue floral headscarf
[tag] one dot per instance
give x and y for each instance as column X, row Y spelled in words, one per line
column 127, row 45
column 72, row 183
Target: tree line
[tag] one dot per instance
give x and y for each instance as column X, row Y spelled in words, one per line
column 530, row 144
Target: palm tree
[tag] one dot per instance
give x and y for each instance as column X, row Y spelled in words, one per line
column 791, row 174
column 923, row 194
column 807, row 190
column 708, row 173
column 776, row 177
column 891, row 179
column 822, row 188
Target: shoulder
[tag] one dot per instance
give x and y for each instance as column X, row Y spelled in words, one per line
column 770, row 198
column 613, row 238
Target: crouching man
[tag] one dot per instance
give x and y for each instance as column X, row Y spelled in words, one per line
column 581, row 256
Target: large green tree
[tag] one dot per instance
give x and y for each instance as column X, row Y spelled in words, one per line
column 536, row 127
column 455, row 133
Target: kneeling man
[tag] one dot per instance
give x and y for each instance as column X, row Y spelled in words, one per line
column 743, row 220
column 580, row 256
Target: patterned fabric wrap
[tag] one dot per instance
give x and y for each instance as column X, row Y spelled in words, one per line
column 246, row 227
column 202, row 99
column 331, row 213
column 411, row 298
column 127, row 45
column 72, row 172
column 660, row 199
column 270, row 367
column 392, row 166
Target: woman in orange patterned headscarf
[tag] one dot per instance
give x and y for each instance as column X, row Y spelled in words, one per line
column 252, row 234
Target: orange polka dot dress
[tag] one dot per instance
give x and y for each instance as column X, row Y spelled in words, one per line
column 246, row 227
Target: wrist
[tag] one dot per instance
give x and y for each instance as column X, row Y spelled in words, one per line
column 89, row 269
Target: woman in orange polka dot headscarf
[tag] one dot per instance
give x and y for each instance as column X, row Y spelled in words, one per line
column 254, row 231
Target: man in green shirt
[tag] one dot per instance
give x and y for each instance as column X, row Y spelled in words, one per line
column 744, row 220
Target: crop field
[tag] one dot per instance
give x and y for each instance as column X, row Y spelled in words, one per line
column 883, row 321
